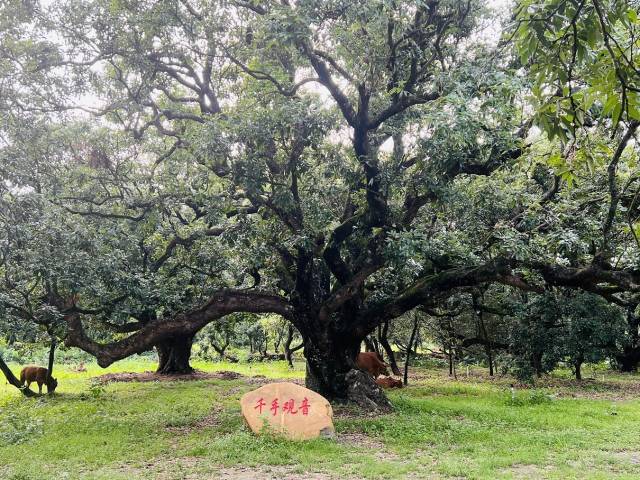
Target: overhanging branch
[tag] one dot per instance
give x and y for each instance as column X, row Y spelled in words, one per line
column 220, row 304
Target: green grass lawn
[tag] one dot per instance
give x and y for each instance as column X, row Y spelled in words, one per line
column 441, row 428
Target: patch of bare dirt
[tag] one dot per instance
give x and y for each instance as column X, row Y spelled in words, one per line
column 268, row 473
column 349, row 411
column 195, row 468
column 211, row 420
column 149, row 376
column 360, row 440
column 260, row 380
column 628, row 456
column 155, row 377
column 526, row 471
column 164, row 468
column 594, row 389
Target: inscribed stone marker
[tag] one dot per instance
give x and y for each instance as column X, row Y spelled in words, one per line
column 288, row 409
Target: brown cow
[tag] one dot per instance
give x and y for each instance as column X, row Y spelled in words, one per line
column 39, row 375
column 371, row 363
column 389, row 382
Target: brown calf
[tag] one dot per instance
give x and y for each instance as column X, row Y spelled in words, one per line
column 39, row 375
column 389, row 382
column 371, row 363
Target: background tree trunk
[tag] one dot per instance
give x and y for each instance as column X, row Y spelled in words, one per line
column 489, row 359
column 409, row 347
column 577, row 365
column 384, row 342
column 52, row 351
column 368, row 345
column 629, row 359
column 174, row 354
column 288, row 353
column 536, row 363
column 453, row 364
column 221, row 351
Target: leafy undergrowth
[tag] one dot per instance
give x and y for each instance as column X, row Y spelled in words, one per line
column 473, row 427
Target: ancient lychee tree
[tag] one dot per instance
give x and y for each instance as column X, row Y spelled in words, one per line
column 318, row 160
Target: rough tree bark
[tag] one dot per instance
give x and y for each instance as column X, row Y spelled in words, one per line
column 331, row 370
column 174, row 354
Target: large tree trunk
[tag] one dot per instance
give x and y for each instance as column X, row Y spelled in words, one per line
column 174, row 354
column 332, row 373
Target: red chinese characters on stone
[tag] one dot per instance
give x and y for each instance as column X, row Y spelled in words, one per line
column 305, row 406
column 288, row 407
column 259, row 405
column 298, row 413
column 274, row 406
